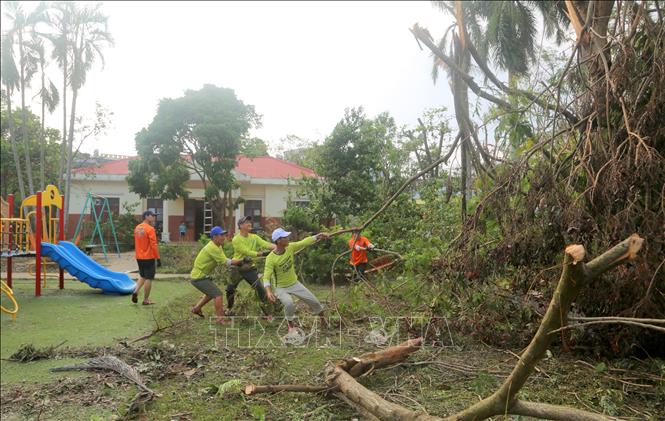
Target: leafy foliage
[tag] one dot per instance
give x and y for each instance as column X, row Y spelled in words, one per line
column 201, row 132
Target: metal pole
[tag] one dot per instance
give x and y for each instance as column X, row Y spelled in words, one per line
column 78, row 225
column 98, row 228
column 115, row 237
column 61, row 237
column 10, row 201
column 38, row 247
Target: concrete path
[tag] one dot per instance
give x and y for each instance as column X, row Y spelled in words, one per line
column 125, row 262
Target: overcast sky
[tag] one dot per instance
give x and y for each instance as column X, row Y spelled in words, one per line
column 299, row 63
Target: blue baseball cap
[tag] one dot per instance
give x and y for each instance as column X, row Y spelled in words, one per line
column 279, row 233
column 217, row 231
column 148, row 213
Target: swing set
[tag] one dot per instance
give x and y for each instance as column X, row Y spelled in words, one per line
column 96, row 201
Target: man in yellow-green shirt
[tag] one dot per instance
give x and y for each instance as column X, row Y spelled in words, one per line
column 205, row 263
column 247, row 246
column 280, row 274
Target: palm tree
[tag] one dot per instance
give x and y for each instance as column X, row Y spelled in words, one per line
column 62, row 21
column 90, row 34
column 49, row 99
column 23, row 25
column 10, row 78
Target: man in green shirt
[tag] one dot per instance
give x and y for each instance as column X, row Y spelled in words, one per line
column 205, row 263
column 247, row 246
column 280, row 272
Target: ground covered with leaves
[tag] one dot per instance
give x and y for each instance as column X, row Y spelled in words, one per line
column 199, row 371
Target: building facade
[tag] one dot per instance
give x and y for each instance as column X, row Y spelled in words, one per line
column 265, row 185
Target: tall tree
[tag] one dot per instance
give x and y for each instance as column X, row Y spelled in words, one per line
column 61, row 18
column 201, row 132
column 90, row 35
column 354, row 164
column 23, row 25
column 10, row 78
column 49, row 98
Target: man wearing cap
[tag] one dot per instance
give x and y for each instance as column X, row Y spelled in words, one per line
column 205, row 263
column 280, row 271
column 247, row 246
column 145, row 245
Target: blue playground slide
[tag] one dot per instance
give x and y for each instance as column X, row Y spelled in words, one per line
column 82, row 267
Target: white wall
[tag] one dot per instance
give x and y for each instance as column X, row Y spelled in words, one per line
column 273, row 196
column 105, row 188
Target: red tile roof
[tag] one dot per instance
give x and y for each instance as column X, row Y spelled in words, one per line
column 269, row 167
column 259, row 167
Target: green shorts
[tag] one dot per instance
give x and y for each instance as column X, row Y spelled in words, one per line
column 207, row 286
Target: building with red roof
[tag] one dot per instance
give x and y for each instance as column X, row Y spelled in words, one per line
column 266, row 183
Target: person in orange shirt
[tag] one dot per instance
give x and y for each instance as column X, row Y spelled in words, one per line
column 359, row 245
column 147, row 254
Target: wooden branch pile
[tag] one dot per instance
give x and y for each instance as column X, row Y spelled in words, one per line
column 576, row 274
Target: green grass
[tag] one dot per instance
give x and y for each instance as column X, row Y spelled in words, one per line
column 79, row 315
column 191, row 362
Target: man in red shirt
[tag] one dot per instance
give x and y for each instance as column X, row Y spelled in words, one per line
column 147, row 254
column 359, row 245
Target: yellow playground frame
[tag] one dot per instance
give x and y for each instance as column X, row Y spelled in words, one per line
column 10, row 294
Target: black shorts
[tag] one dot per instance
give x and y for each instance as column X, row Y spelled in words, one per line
column 146, row 268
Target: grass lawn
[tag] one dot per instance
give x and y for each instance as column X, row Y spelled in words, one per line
column 199, row 368
column 79, row 315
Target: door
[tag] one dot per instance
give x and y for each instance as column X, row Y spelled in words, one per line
column 157, row 206
column 253, row 209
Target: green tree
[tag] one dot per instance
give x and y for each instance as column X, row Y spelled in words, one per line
column 354, row 166
column 10, row 79
column 23, row 25
column 254, row 147
column 49, row 96
column 428, row 139
column 298, row 150
column 89, row 37
column 61, row 19
column 34, row 142
column 201, row 132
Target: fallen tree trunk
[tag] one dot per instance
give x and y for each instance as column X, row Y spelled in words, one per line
column 252, row 389
column 575, row 275
column 358, row 366
column 368, row 400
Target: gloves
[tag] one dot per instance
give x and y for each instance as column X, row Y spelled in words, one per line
column 159, row 263
column 370, row 247
column 263, row 253
column 246, row 260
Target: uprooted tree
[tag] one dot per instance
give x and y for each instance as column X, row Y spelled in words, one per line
column 575, row 276
column 591, row 166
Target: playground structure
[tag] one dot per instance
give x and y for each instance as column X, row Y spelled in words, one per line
column 92, row 200
column 18, row 239
column 47, row 240
column 10, row 294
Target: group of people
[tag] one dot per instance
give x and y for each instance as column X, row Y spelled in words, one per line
column 278, row 281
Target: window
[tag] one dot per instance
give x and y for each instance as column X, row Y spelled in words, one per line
column 302, row 203
column 253, row 209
